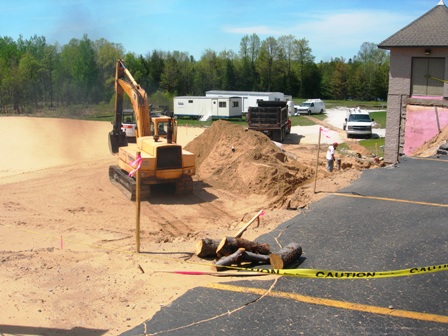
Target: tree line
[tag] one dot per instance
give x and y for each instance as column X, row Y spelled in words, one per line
column 35, row 74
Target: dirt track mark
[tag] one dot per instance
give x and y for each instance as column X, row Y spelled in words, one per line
column 165, row 217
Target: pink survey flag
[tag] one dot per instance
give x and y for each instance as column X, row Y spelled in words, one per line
column 136, row 164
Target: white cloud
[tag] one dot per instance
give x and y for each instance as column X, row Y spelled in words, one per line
column 342, row 34
column 333, row 34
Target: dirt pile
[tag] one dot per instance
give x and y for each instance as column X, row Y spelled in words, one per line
column 246, row 162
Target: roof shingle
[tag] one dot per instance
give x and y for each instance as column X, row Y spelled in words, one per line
column 429, row 30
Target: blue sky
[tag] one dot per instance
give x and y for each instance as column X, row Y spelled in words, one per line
column 334, row 28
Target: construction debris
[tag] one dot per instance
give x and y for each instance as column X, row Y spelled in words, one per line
column 229, row 245
column 240, row 256
column 234, row 251
column 206, row 247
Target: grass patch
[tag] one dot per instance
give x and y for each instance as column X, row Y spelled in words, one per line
column 380, row 105
column 374, row 146
column 379, row 117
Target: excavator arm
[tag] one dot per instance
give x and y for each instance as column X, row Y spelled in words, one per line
column 125, row 83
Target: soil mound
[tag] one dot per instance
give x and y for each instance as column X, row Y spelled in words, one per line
column 246, row 162
column 430, row 148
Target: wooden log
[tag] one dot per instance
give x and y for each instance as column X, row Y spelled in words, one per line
column 206, row 247
column 233, row 259
column 240, row 256
column 255, row 257
column 229, row 245
column 286, row 256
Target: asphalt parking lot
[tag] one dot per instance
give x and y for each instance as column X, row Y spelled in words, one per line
column 391, row 218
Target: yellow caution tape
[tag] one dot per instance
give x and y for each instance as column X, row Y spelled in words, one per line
column 327, row 274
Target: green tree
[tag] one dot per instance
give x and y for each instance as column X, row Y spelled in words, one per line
column 79, row 72
column 156, row 63
column 107, row 54
column 9, row 86
column 265, row 63
column 28, row 79
column 313, row 79
column 245, row 69
column 370, row 72
column 302, row 54
column 287, row 45
column 225, row 70
column 206, row 74
column 185, row 68
column 254, row 47
column 338, row 81
column 170, row 75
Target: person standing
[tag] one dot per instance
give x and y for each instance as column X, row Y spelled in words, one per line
column 330, row 156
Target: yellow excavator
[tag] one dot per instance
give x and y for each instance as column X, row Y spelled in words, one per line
column 164, row 163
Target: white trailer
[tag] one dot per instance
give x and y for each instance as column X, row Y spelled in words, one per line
column 249, row 98
column 206, row 108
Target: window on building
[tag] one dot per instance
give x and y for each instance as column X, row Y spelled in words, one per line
column 424, row 72
column 222, row 104
column 190, row 101
column 236, row 104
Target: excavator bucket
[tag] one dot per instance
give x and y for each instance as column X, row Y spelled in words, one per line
column 117, row 140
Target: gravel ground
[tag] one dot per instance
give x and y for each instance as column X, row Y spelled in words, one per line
column 335, row 117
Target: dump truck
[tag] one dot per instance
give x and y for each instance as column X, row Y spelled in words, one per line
column 271, row 118
column 161, row 161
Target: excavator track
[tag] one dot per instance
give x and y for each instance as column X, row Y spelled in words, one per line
column 128, row 185
column 184, row 186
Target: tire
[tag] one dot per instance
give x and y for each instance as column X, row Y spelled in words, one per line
column 309, row 112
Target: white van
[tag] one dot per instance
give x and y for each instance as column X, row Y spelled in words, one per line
column 358, row 123
column 310, row 106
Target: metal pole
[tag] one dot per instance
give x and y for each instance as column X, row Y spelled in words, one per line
column 438, row 121
column 317, row 160
column 137, row 204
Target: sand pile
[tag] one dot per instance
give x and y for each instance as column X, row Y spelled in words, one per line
column 430, row 147
column 255, row 166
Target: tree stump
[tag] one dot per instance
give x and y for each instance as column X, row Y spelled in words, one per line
column 207, row 247
column 286, row 256
column 229, row 245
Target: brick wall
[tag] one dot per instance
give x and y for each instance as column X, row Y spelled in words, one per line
column 399, row 91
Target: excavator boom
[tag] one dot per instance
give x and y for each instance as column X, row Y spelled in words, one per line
column 125, row 83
